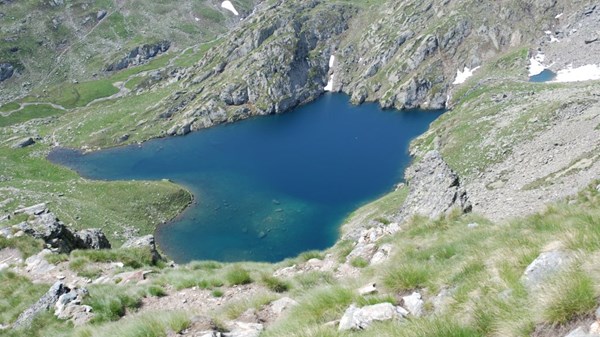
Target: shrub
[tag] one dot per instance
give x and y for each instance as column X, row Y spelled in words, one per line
column 275, row 284
column 572, row 295
column 359, row 262
column 406, row 277
column 237, row 276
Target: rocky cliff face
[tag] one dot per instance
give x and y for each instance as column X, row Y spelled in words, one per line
column 277, row 60
column 408, row 57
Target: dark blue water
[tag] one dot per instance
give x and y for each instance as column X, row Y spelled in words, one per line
column 545, row 76
column 271, row 187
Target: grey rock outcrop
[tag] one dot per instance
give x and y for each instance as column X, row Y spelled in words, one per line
column 147, row 242
column 361, row 318
column 69, row 307
column 139, row 55
column 93, row 238
column 434, row 189
column 43, row 304
column 6, row 71
column 46, row 226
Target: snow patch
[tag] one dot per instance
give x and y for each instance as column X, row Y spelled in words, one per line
column 462, row 76
column 329, row 86
column 331, row 61
column 536, row 65
column 559, row 16
column 229, row 6
column 588, row 72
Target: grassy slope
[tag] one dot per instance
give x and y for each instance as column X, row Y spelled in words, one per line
column 112, row 206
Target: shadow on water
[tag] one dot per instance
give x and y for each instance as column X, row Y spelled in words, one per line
column 268, row 188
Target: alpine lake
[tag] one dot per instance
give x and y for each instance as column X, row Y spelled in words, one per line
column 269, row 187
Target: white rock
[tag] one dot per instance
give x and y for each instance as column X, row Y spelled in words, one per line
column 368, row 289
column 241, row 329
column 360, row 318
column 473, row 225
column 37, row 264
column 3, row 266
column 382, row 254
column 32, row 210
column 282, row 304
column 579, row 332
column 414, row 304
column 595, row 328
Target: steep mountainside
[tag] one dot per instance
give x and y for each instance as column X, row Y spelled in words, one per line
column 495, row 232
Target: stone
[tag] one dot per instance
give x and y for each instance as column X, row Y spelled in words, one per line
column 590, row 39
column 368, row 289
column 101, row 14
column 241, row 329
column 6, row 71
column 595, row 328
column 361, row 318
column 32, row 210
column 37, row 264
column 545, row 265
column 146, row 241
column 472, row 225
column 414, row 304
column 92, row 238
column 43, row 304
column 25, row 142
column 282, row 304
column 382, row 254
column 579, row 332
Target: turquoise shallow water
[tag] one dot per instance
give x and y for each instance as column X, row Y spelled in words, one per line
column 270, row 187
column 545, row 76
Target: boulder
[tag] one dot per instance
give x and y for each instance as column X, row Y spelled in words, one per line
column 37, row 264
column 545, row 265
column 580, row 332
column 101, row 14
column 282, row 304
column 25, row 142
column 414, row 304
column 69, row 307
column 93, row 238
column 360, row 318
column 6, row 71
column 43, row 304
column 144, row 242
column 32, row 210
column 241, row 329
column 368, row 289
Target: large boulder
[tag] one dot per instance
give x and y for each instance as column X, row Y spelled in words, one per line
column 43, row 304
column 144, row 242
column 361, row 318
